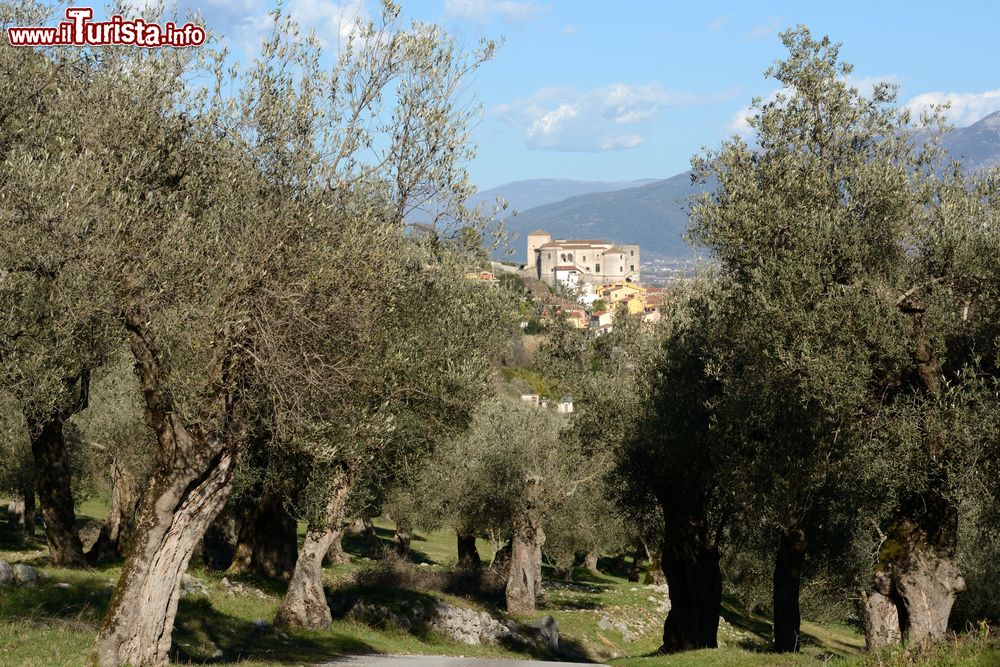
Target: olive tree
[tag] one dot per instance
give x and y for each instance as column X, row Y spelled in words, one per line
column 858, row 264
column 56, row 315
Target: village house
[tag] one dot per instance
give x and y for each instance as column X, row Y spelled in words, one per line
column 583, row 260
column 631, row 295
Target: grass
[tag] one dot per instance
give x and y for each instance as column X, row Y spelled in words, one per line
column 603, row 618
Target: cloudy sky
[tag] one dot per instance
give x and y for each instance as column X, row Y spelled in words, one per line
column 626, row 89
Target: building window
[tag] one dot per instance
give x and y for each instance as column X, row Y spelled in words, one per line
column 585, row 258
column 562, row 257
column 597, row 268
column 632, row 252
column 631, row 267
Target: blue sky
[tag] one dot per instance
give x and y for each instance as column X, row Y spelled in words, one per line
column 605, row 90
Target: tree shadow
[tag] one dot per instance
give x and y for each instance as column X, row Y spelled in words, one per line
column 84, row 601
column 395, row 596
column 204, row 635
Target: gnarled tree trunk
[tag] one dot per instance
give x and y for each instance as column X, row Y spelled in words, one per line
column 180, row 502
column 637, row 560
column 880, row 615
column 524, row 577
column 468, row 553
column 690, row 563
column 336, row 555
column 928, row 581
column 787, row 582
column 21, row 510
column 654, row 571
column 926, row 577
column 189, row 485
column 402, row 538
column 304, row 605
column 120, row 522
column 52, row 480
column 371, row 538
column 590, row 562
column 268, row 541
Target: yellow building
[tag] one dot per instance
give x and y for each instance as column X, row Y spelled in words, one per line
column 633, row 296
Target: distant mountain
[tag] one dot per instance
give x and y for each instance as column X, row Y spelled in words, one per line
column 522, row 195
column 653, row 215
column 650, row 215
column 976, row 146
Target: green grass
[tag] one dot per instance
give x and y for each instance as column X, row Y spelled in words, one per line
column 51, row 625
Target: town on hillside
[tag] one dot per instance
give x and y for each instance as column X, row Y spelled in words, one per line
column 588, row 281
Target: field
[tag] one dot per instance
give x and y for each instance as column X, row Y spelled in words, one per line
column 606, row 619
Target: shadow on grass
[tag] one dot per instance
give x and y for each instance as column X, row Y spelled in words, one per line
column 84, row 601
column 741, row 620
column 204, row 635
column 400, row 597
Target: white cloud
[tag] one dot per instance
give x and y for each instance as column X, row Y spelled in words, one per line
column 719, row 23
column 966, row 108
column 482, row 11
column 611, row 117
column 332, row 22
column 865, row 85
column 765, row 30
column 570, row 30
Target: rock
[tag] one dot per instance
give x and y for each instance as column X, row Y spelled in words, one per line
column 64, row 585
column 6, row 573
column 260, row 625
column 546, row 629
column 191, row 586
column 25, row 575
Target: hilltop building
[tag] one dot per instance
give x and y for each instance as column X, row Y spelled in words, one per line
column 575, row 261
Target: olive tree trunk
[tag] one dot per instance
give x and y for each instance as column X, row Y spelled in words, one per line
column 524, row 575
column 402, row 538
column 637, row 560
column 928, row 581
column 880, row 615
column 787, row 583
column 926, row 577
column 268, row 541
column 180, row 502
column 55, row 495
column 690, row 563
column 468, row 553
column 336, row 555
column 120, row 522
column 21, row 510
column 654, row 571
column 304, row 605
column 590, row 562
column 371, row 538
column 189, row 485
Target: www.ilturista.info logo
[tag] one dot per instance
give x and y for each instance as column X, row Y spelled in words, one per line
column 79, row 30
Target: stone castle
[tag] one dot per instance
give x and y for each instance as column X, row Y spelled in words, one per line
column 593, row 261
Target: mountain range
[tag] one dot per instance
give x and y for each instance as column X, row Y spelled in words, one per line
column 651, row 212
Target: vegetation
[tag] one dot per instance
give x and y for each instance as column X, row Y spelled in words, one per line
column 224, row 347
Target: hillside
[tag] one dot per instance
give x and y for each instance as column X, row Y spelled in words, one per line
column 522, row 195
column 654, row 216
column 978, row 145
column 651, row 215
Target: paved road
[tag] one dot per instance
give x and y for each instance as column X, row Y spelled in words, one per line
column 436, row 661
